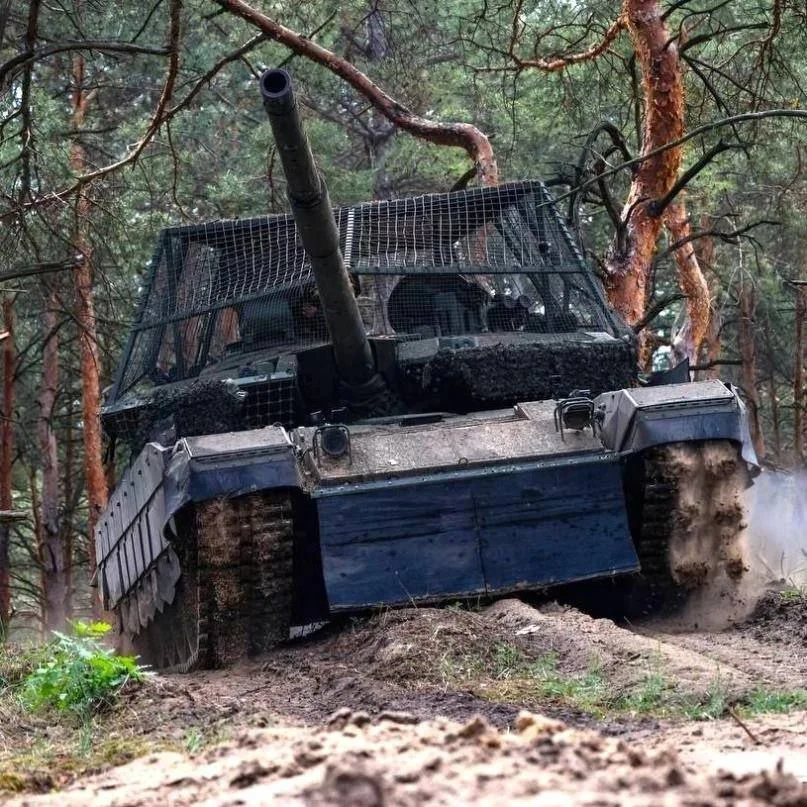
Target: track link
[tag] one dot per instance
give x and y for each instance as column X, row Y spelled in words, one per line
column 233, row 598
column 688, row 520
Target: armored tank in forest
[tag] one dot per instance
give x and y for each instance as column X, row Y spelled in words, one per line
column 391, row 403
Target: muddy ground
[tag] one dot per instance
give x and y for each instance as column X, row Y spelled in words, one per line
column 508, row 703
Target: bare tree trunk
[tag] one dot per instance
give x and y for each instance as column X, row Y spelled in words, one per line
column 690, row 280
column 54, row 583
column 798, row 376
column 748, row 352
column 772, row 396
column 69, row 494
column 6, row 460
column 85, row 317
column 711, row 346
column 630, row 257
column 777, row 430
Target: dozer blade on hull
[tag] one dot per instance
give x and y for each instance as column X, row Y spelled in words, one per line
column 470, row 533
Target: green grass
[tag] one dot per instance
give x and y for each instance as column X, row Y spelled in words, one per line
column 510, row 676
column 792, row 593
column 51, row 701
column 762, row 701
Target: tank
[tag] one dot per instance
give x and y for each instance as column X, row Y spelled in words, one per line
column 395, row 402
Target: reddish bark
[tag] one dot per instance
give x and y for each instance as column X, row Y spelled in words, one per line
column 6, row 460
column 711, row 345
column 460, row 135
column 85, row 317
column 629, row 262
column 554, row 64
column 691, row 281
column 748, row 353
column 54, row 584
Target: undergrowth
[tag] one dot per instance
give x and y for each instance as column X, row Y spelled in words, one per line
column 72, row 674
column 510, row 676
column 51, row 701
column 76, row 673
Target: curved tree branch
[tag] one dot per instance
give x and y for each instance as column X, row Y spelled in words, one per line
column 460, row 135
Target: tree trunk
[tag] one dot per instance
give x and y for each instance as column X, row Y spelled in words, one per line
column 54, row 582
column 711, row 346
column 630, row 257
column 691, row 282
column 798, row 376
column 6, row 460
column 69, row 496
column 748, row 352
column 772, row 396
column 85, row 317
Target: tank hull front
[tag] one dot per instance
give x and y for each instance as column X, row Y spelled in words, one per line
column 400, row 511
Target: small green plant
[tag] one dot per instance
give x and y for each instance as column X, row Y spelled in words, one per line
column 194, row 740
column 77, row 673
column 763, row 701
column 507, row 660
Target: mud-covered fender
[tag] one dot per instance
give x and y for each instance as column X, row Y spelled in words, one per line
column 631, row 420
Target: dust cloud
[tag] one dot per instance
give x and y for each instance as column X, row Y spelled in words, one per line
column 777, row 534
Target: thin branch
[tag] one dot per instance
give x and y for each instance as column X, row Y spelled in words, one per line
column 170, row 78
column 461, row 135
column 34, row 55
column 656, row 309
column 731, row 237
column 560, row 62
column 657, row 207
column 746, row 117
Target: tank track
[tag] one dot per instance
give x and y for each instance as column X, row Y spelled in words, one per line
column 688, row 521
column 233, row 598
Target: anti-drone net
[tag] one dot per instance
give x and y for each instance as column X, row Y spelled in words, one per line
column 484, row 260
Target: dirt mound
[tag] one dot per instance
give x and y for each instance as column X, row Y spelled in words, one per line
column 779, row 618
column 420, row 643
column 626, row 658
column 396, row 760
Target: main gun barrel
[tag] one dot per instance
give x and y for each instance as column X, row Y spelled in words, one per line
column 318, row 231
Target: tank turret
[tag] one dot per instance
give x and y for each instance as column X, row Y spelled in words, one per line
column 318, row 231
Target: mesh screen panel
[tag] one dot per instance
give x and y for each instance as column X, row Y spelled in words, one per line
column 482, row 260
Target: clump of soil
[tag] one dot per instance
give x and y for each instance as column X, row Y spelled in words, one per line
column 421, row 643
column 397, row 760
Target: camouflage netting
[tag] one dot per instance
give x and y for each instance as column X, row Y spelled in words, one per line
column 504, row 374
column 207, row 406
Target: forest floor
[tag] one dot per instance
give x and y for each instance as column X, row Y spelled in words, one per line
column 508, row 703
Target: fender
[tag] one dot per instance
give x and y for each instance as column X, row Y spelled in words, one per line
column 631, row 420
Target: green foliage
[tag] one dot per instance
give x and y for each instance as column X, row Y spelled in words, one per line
column 764, row 701
column 587, row 691
column 651, row 696
column 78, row 674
